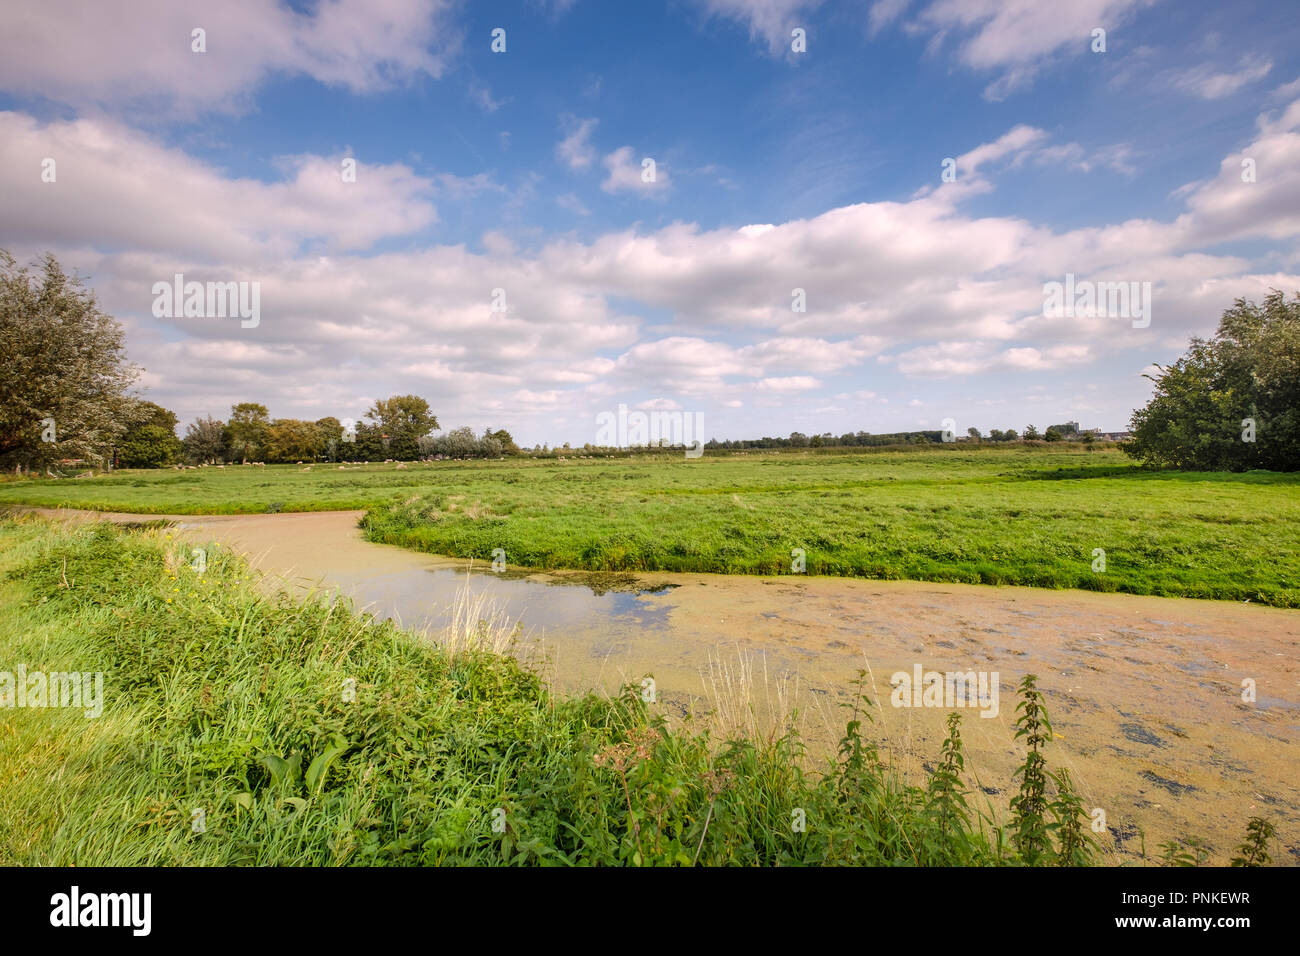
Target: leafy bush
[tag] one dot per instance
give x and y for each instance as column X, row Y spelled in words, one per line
column 1232, row 403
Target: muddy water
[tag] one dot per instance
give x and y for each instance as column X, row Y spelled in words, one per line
column 1145, row 693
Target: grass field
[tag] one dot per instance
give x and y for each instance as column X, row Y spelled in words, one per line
column 228, row 736
column 1021, row 515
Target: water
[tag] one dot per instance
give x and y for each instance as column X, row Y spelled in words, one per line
column 422, row 598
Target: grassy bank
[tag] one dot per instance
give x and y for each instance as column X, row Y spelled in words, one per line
column 1021, row 515
column 1027, row 518
column 244, row 729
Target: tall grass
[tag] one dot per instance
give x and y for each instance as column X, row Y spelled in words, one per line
column 242, row 728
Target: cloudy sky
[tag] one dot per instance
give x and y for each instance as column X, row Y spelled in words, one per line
column 774, row 170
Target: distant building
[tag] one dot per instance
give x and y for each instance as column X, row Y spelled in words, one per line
column 1069, row 428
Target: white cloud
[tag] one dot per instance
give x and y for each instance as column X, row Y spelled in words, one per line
column 915, row 288
column 572, row 203
column 789, row 384
column 137, row 53
column 120, row 187
column 482, row 96
column 1019, row 38
column 883, row 13
column 768, row 21
column 1204, row 82
column 1014, row 141
column 626, row 171
column 575, row 150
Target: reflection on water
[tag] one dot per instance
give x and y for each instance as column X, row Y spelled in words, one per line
column 423, row 597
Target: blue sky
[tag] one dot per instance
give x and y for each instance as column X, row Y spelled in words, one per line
column 775, row 169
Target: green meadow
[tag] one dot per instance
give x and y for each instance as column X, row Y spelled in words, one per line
column 1038, row 516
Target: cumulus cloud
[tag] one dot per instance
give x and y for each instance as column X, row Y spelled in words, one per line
column 1227, row 207
column 149, row 63
column 915, row 288
column 121, row 188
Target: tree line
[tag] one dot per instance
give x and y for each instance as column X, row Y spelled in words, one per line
column 1231, row 403
column 397, row 428
column 1064, row 432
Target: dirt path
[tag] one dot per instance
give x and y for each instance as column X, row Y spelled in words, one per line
column 1146, row 694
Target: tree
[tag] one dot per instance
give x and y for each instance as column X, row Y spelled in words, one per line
column 329, row 435
column 1052, row 434
column 404, row 419
column 367, row 443
column 1233, row 401
column 488, row 445
column 248, row 428
column 1031, row 433
column 974, row 433
column 1010, row 435
column 457, row 443
column 292, row 439
column 205, row 441
column 150, row 440
column 508, row 446
column 63, row 370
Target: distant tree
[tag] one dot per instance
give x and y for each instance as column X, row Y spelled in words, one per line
column 368, row 443
column 1233, row 401
column 1031, row 433
column 404, row 419
column 1010, row 435
column 457, row 443
column 329, row 435
column 291, row 439
column 974, row 433
column 247, row 429
column 204, row 441
column 462, row 443
column 63, row 370
column 150, row 440
column 508, row 446
column 1052, row 434
column 489, row 446
column 798, row 440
